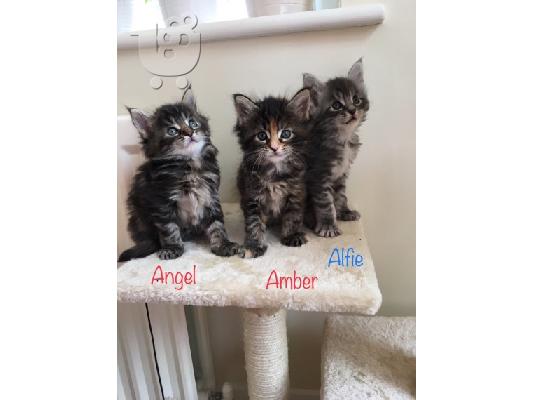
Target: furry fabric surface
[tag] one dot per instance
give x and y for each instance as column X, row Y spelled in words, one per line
column 241, row 282
column 368, row 358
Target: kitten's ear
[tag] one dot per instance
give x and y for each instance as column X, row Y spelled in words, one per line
column 189, row 98
column 300, row 103
column 244, row 107
column 312, row 82
column 356, row 73
column 317, row 88
column 140, row 120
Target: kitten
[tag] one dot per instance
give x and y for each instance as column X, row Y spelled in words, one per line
column 271, row 180
column 175, row 193
column 339, row 107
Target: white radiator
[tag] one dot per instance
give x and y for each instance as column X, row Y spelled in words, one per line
column 138, row 376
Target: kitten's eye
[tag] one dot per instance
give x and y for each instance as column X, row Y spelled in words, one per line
column 172, row 131
column 356, row 100
column 285, row 134
column 337, row 106
column 262, row 136
column 193, row 124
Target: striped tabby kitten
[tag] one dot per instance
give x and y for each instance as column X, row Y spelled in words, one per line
column 271, row 180
column 339, row 107
column 175, row 193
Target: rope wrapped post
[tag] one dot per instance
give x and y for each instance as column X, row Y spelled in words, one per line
column 266, row 354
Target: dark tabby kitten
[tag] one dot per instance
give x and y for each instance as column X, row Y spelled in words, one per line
column 339, row 107
column 271, row 180
column 175, row 193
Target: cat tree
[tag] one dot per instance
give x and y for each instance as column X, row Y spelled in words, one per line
column 242, row 282
column 368, row 358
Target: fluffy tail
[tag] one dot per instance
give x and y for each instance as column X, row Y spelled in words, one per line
column 140, row 250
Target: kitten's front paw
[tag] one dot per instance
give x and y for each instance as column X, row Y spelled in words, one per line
column 294, row 240
column 171, row 254
column 348, row 215
column 327, row 231
column 253, row 250
column 226, row 249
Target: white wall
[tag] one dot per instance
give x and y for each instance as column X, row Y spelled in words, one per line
column 382, row 182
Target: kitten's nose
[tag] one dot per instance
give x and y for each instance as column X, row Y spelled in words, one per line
column 274, row 147
column 352, row 111
column 187, row 132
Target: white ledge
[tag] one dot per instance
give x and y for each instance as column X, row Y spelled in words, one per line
column 345, row 17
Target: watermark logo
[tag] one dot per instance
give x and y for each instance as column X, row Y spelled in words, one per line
column 171, row 51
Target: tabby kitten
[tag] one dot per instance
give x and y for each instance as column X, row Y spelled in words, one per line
column 339, row 107
column 175, row 193
column 271, row 180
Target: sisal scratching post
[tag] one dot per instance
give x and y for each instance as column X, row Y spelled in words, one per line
column 265, row 337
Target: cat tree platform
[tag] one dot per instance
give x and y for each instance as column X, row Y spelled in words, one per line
column 209, row 280
column 368, row 358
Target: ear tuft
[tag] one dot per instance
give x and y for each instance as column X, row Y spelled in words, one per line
column 317, row 89
column 140, row 120
column 300, row 103
column 189, row 98
column 312, row 82
column 356, row 73
column 244, row 107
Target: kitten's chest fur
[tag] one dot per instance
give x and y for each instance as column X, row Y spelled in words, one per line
column 192, row 195
column 346, row 154
column 273, row 197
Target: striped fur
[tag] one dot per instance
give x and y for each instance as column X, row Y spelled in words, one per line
column 175, row 193
column 271, row 178
column 339, row 107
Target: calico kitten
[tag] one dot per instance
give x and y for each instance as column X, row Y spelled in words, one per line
column 175, row 193
column 339, row 107
column 271, row 180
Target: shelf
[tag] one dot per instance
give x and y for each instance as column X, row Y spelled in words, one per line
column 242, row 282
column 345, row 17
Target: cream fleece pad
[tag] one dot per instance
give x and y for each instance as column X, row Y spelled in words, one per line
column 241, row 282
column 368, row 358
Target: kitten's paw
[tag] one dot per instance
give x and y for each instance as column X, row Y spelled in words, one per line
column 253, row 250
column 294, row 240
column 227, row 249
column 348, row 215
column 171, row 254
column 327, row 231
